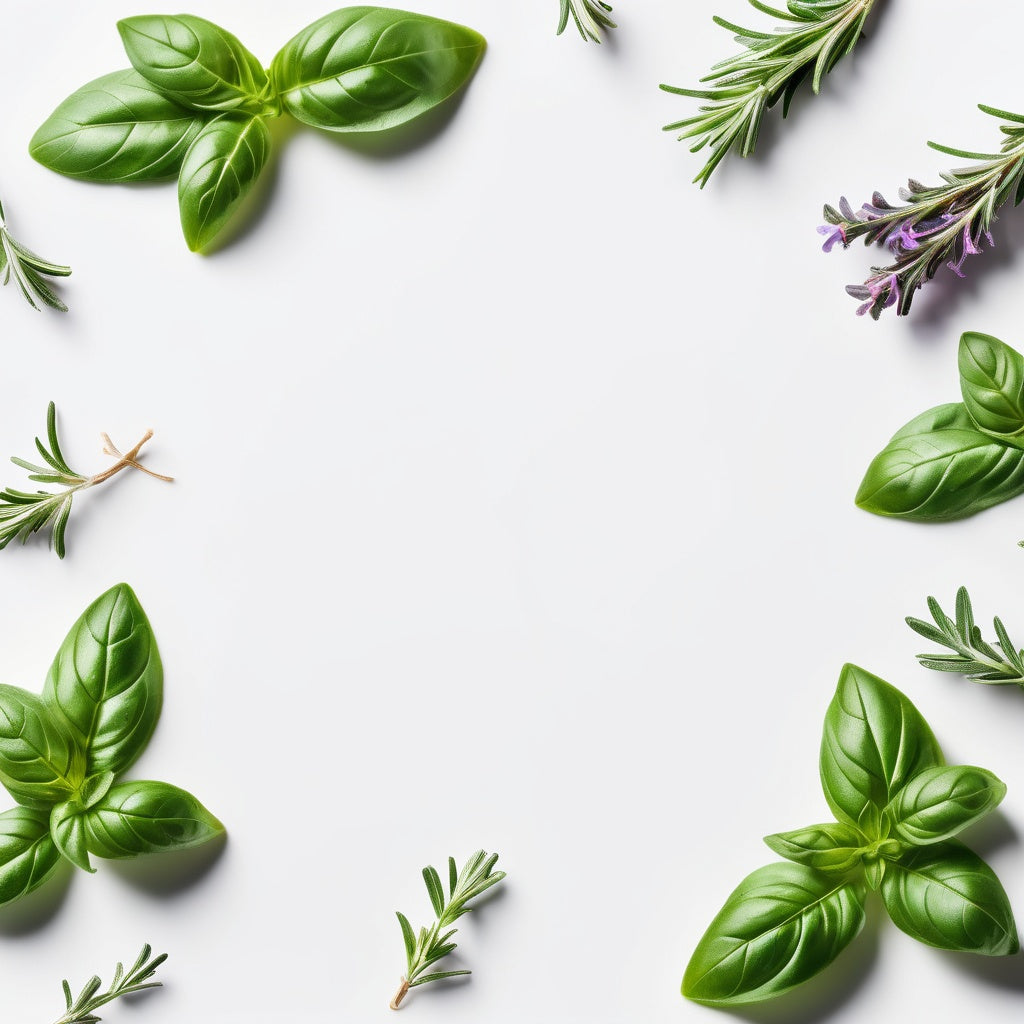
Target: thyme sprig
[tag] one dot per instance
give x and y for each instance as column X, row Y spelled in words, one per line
column 434, row 943
column 817, row 35
column 28, row 270
column 591, row 16
column 136, row 979
column 23, row 513
column 1001, row 663
column 939, row 225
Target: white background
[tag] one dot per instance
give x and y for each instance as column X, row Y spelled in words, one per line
column 513, row 509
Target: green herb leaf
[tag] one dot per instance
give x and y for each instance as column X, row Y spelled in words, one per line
column 147, row 817
column 992, row 384
column 106, row 683
column 782, row 925
column 218, row 171
column 28, row 856
column 947, row 896
column 940, row 467
column 117, row 128
column 833, row 847
column 590, row 16
column 40, row 763
column 67, row 827
column 874, row 742
column 368, row 69
column 135, row 979
column 195, row 62
column 940, row 802
column 28, row 270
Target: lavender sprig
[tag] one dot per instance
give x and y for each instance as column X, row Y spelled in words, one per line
column 770, row 68
column 939, row 225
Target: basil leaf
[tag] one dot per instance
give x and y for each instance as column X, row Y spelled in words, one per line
column 940, row 802
column 40, row 763
column 67, row 828
column 117, row 128
column 370, row 68
column 145, row 817
column 947, row 896
column 28, row 856
column 782, row 925
column 106, row 682
column 873, row 743
column 833, row 847
column 219, row 169
column 196, row 63
column 939, row 467
column 992, row 384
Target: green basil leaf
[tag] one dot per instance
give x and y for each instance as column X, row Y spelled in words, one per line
column 145, row 817
column 939, row 802
column 940, row 467
column 67, row 827
column 196, row 63
column 28, row 856
column 782, row 925
column 370, row 68
column 106, row 682
column 992, row 384
column 947, row 896
column 117, row 128
column 833, row 847
column 873, row 743
column 40, row 763
column 218, row 171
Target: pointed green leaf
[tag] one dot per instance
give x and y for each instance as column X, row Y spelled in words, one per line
column 874, row 742
column 940, row 802
column 833, row 847
column 407, row 936
column 67, row 827
column 368, row 69
column 782, row 925
column 434, row 888
column 28, row 856
column 992, row 384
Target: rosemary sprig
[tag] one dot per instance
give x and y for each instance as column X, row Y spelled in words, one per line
column 942, row 224
column 23, row 513
column 972, row 656
column 28, row 269
column 819, row 34
column 433, row 943
column 136, row 979
column 591, row 16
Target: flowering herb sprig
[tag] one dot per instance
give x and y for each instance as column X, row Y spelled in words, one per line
column 591, row 16
column 939, row 226
column 772, row 67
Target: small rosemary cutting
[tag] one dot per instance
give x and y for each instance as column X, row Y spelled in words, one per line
column 28, row 270
column 136, row 979
column 23, row 513
column 591, row 16
column 433, row 943
column 772, row 67
column 999, row 663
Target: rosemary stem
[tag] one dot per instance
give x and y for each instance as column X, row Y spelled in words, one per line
column 403, row 991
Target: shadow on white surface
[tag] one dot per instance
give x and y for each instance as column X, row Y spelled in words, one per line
column 166, row 874
column 34, row 911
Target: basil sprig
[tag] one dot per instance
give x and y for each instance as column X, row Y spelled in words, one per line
column 61, row 754
column 957, row 459
column 898, row 807
column 196, row 102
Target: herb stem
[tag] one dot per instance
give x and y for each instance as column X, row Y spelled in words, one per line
column 403, row 991
column 128, row 459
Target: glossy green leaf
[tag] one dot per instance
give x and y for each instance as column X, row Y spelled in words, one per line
column 106, row 683
column 873, row 743
column 28, row 856
column 146, row 817
column 218, row 171
column 371, row 68
column 832, row 847
column 947, row 896
column 782, row 925
column 67, row 827
column 992, row 384
column 117, row 128
column 940, row 467
column 940, row 802
column 196, row 63
column 40, row 763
